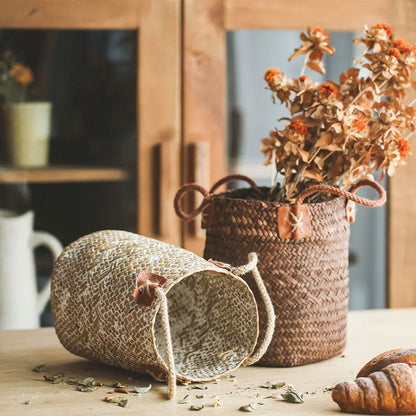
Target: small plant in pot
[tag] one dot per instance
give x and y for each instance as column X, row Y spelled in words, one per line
column 27, row 123
column 336, row 136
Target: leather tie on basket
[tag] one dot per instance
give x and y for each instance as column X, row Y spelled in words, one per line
column 293, row 221
column 251, row 266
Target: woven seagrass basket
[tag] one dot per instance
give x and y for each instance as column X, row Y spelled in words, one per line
column 303, row 251
column 143, row 305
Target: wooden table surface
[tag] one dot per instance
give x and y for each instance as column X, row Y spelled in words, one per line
column 370, row 332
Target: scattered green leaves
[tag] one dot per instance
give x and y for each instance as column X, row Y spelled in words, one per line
column 269, row 385
column 87, row 382
column 196, row 408
column 251, row 407
column 84, row 389
column 120, row 401
column 292, row 397
column 197, row 387
column 185, row 400
column 55, row 379
column 41, row 368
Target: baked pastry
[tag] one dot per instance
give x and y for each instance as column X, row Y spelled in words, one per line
column 391, row 391
column 400, row 355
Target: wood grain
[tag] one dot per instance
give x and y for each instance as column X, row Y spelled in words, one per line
column 70, row 14
column 62, row 174
column 159, row 121
column 401, row 282
column 279, row 14
column 204, row 95
column 20, row 351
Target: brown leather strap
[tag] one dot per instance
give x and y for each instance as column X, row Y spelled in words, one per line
column 184, row 189
column 348, row 195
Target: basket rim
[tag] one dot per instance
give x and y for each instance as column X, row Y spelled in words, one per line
column 225, row 195
column 221, row 274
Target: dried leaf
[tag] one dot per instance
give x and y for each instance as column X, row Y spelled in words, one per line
column 316, row 66
column 195, row 407
column 292, row 397
column 142, row 390
column 121, row 390
column 269, row 385
column 117, row 385
column 185, row 400
column 57, row 378
column 197, row 387
column 313, row 175
column 122, row 403
column 84, row 389
column 251, row 407
column 41, row 368
column 89, row 381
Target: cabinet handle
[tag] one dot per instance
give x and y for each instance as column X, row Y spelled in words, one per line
column 199, row 172
column 164, row 187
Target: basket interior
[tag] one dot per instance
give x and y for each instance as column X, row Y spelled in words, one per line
column 213, row 322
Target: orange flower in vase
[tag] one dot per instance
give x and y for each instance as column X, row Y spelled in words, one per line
column 22, row 73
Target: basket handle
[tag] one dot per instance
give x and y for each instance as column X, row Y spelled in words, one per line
column 189, row 187
column 252, row 267
column 348, row 194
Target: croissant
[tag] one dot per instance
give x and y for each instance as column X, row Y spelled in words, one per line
column 400, row 355
column 391, row 391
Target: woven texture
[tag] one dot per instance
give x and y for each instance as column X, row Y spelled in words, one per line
column 307, row 278
column 213, row 314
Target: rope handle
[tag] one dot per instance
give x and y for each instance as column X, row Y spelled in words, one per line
column 252, row 266
column 160, row 294
column 348, row 194
column 189, row 187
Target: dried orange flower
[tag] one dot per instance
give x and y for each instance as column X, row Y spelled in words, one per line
column 271, row 75
column 298, row 127
column 328, row 88
column 22, row 73
column 341, row 132
column 405, row 148
column 403, row 46
column 386, row 27
column 361, row 123
column 395, row 52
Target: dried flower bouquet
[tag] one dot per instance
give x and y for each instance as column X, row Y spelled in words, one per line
column 339, row 133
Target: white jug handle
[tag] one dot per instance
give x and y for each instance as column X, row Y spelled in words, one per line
column 41, row 238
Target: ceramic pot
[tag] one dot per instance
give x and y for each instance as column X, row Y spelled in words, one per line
column 28, row 128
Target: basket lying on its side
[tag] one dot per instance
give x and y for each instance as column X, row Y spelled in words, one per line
column 303, row 251
column 143, row 305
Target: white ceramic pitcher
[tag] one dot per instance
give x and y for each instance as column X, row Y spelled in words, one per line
column 20, row 303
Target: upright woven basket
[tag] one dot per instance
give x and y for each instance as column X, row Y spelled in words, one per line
column 303, row 251
column 114, row 294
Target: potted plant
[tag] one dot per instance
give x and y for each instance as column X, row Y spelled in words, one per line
column 336, row 136
column 27, row 123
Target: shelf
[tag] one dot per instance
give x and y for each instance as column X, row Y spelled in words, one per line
column 53, row 174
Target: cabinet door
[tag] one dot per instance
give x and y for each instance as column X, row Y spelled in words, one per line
column 206, row 85
column 157, row 25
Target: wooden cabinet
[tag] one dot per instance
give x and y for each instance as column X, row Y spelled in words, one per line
column 158, row 27
column 206, row 23
column 181, row 100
